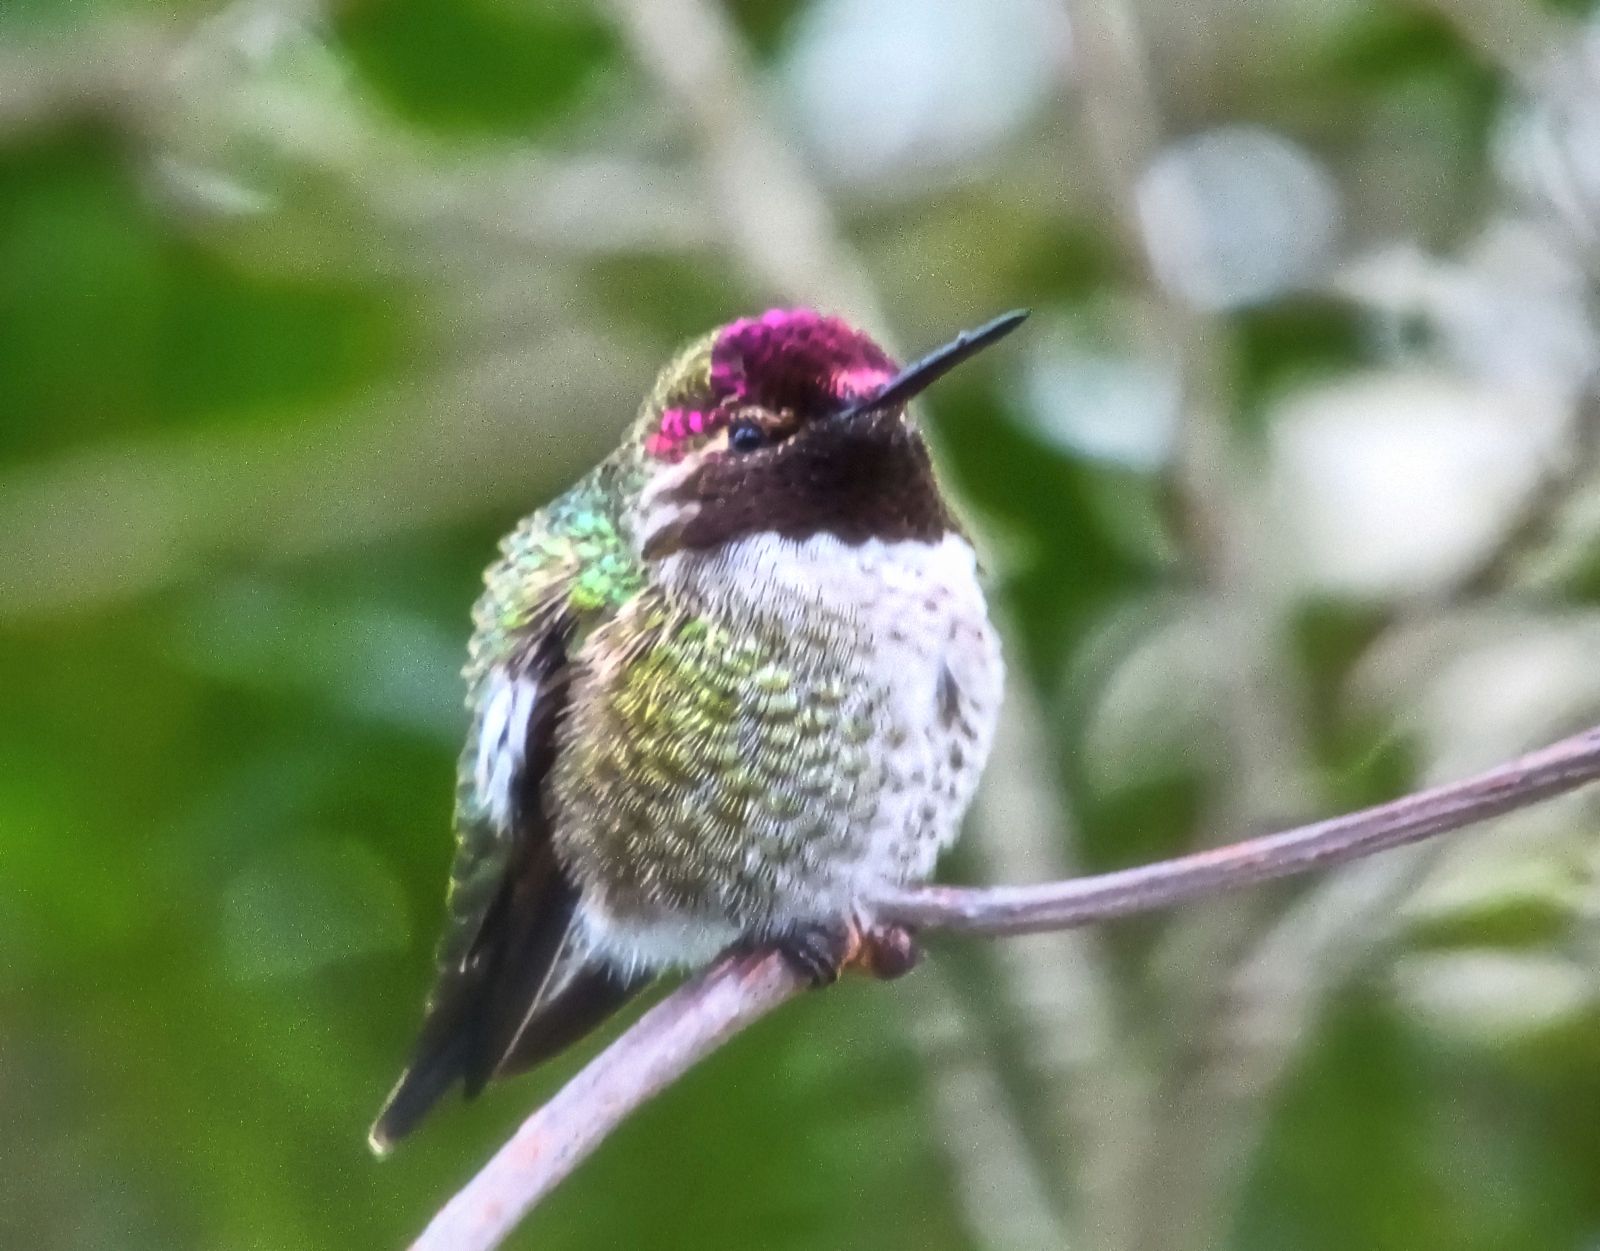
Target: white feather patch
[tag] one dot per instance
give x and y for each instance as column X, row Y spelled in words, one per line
column 503, row 743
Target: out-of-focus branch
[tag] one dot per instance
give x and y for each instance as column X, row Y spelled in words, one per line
column 1006, row 1198
column 778, row 219
column 105, row 68
column 1056, row 991
column 738, row 990
column 1123, row 131
column 121, row 521
column 1273, row 997
column 1219, row 516
column 1531, row 528
column 258, row 81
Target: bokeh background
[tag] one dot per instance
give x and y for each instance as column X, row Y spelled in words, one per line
column 1291, row 499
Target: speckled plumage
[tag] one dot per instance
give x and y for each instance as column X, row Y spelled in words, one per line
column 806, row 719
column 698, row 721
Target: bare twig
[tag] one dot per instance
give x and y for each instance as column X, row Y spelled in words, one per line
column 999, row 910
column 738, row 990
column 663, row 1044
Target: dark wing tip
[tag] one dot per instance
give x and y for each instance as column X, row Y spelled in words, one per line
column 440, row 1061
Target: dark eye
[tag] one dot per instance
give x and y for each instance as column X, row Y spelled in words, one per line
column 745, row 435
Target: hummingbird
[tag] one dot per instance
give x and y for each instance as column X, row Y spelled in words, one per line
column 736, row 677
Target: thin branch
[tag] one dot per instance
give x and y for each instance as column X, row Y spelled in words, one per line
column 1000, row 910
column 662, row 1045
column 704, row 1013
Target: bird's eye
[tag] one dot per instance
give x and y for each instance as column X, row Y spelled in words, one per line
column 746, row 436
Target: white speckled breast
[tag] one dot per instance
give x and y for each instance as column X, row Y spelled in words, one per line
column 910, row 631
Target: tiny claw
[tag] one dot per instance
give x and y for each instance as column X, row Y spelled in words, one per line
column 819, row 952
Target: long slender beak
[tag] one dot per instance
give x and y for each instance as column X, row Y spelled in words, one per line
column 920, row 375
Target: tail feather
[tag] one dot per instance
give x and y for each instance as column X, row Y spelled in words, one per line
column 432, row 1072
column 590, row 995
column 478, row 1005
column 526, row 993
column 535, row 960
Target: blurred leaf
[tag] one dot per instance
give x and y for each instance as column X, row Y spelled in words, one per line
column 476, row 65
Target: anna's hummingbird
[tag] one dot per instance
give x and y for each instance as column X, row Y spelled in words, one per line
column 736, row 677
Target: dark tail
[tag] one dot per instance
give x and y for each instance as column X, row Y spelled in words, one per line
column 523, row 995
column 589, row 996
column 427, row 1077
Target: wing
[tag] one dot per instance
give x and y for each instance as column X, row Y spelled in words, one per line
column 512, row 987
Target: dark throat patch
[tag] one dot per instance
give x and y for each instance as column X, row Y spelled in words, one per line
column 866, row 478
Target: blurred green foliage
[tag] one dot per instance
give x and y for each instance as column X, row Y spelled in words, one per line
column 287, row 339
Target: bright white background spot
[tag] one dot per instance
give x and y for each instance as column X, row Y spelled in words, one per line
column 1115, row 407
column 1237, row 215
column 1397, row 482
column 882, row 86
column 1492, row 998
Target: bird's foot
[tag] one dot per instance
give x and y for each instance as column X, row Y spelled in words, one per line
column 819, row 952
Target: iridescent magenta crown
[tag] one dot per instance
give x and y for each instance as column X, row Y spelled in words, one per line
column 791, row 359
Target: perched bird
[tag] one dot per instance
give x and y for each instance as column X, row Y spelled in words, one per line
column 733, row 679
